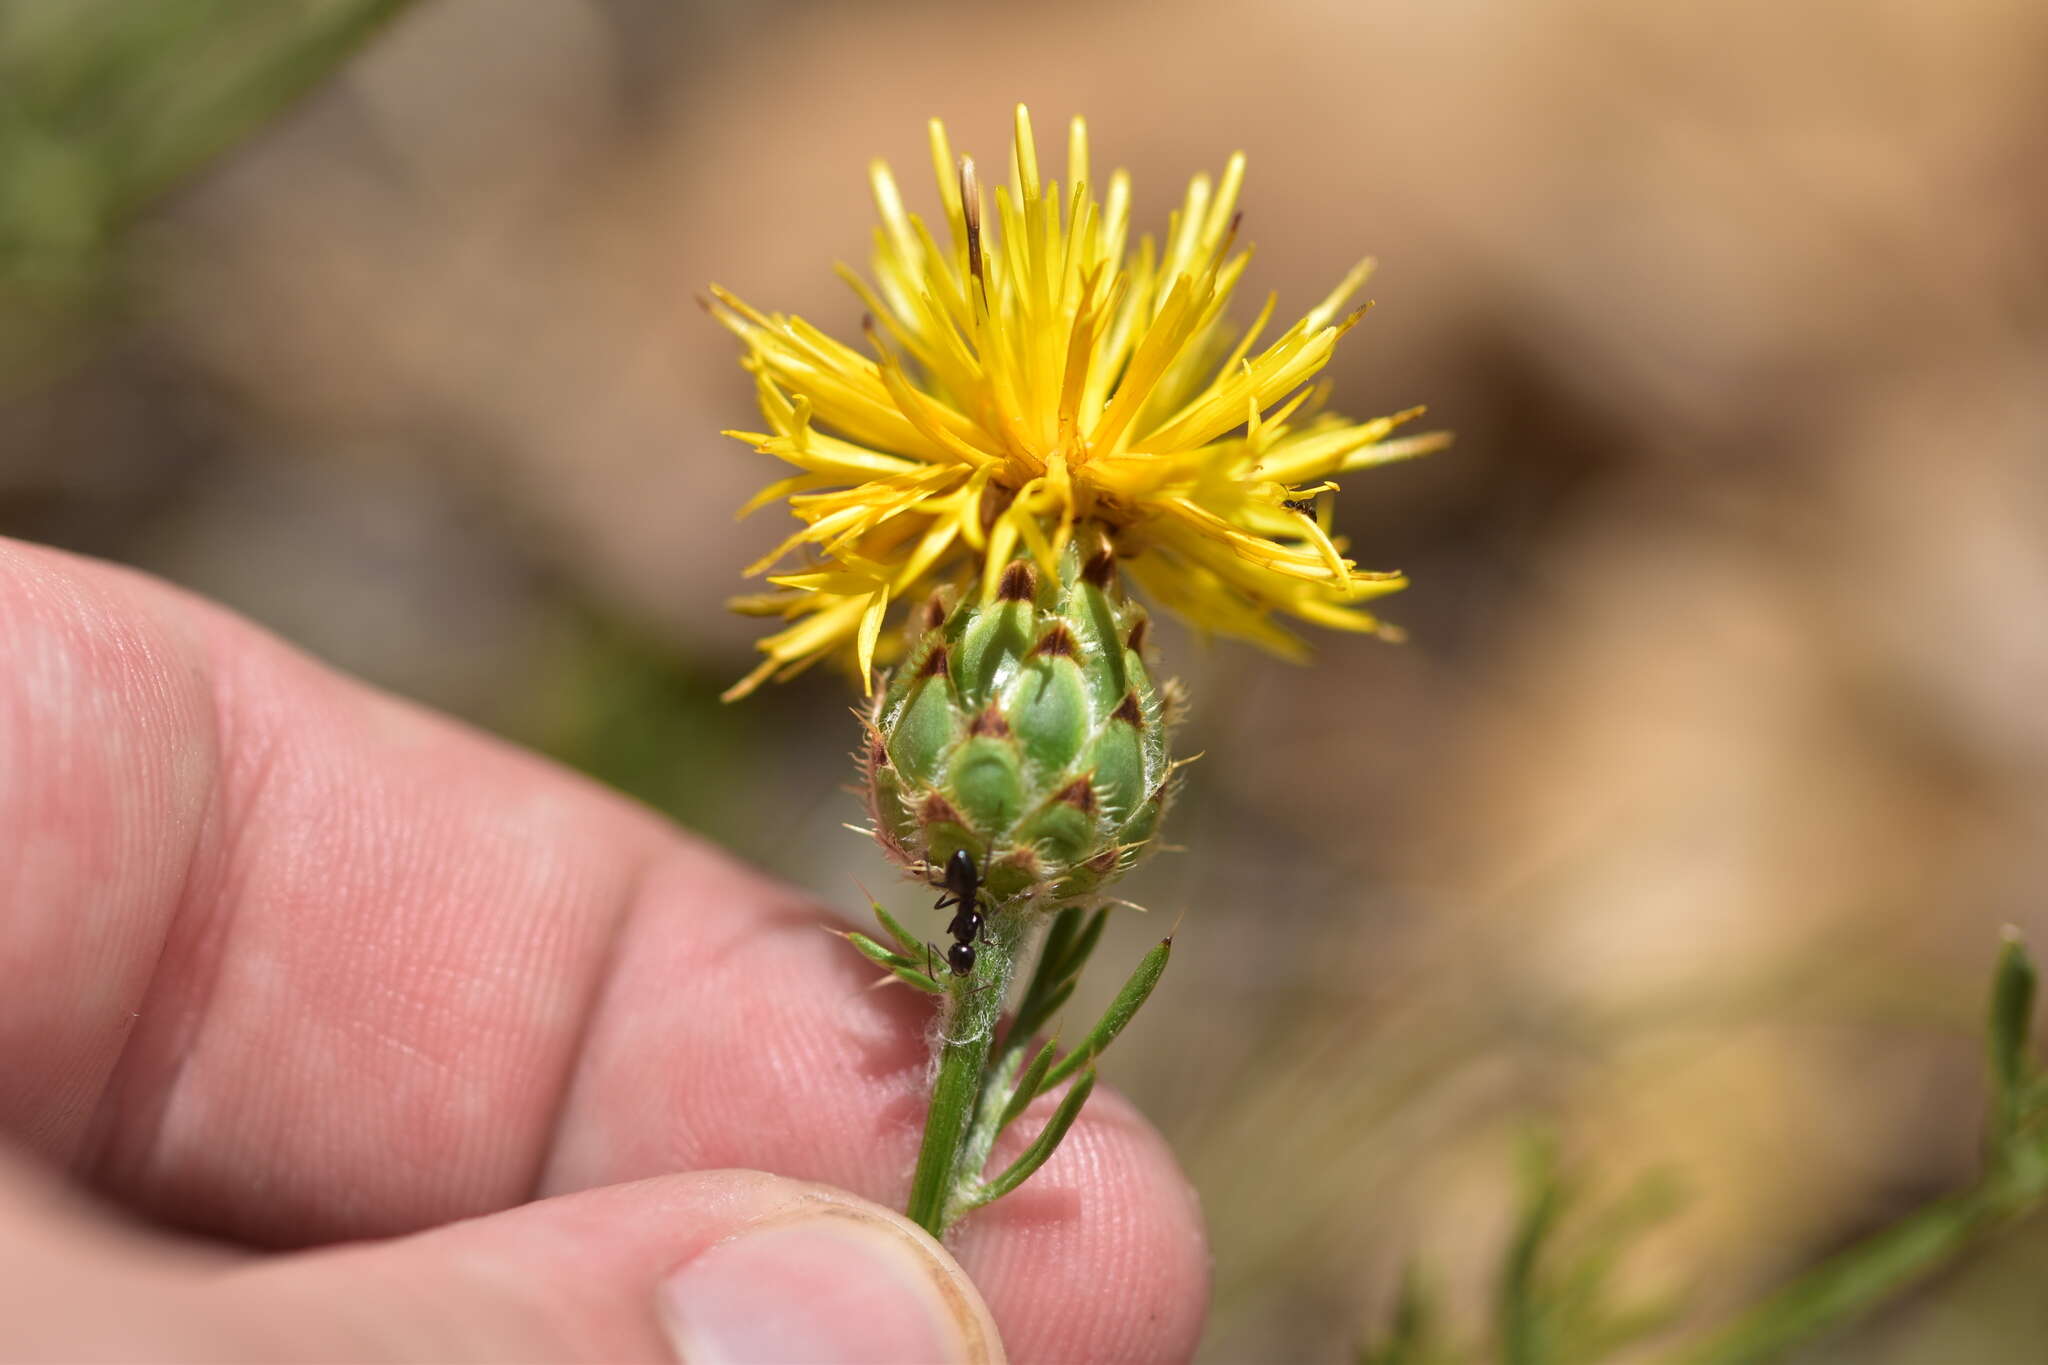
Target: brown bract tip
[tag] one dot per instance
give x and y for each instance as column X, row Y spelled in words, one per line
column 934, row 612
column 935, row 809
column 1080, row 794
column 934, row 663
column 989, row 722
column 1058, row 643
column 1019, row 582
column 1135, row 641
column 1129, row 711
column 1100, row 568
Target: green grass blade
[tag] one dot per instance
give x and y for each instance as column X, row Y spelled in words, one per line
column 1843, row 1288
column 2013, row 985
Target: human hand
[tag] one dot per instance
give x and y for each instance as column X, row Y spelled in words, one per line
column 285, row 962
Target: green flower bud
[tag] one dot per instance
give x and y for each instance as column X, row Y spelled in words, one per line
column 1027, row 730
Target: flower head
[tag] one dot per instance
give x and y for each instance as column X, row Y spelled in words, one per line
column 1031, row 379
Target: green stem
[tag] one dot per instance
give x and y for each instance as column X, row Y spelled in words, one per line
column 980, row 1138
column 1848, row 1285
column 1063, row 953
column 967, row 1028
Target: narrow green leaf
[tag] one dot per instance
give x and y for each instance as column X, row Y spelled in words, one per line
column 1028, row 1086
column 918, row 979
column 907, row 941
column 904, row 969
column 1118, row 1014
column 875, row 952
column 1042, row 1146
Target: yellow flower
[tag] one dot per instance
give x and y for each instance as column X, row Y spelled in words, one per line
column 1031, row 376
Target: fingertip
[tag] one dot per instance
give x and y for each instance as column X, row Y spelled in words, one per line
column 833, row 1278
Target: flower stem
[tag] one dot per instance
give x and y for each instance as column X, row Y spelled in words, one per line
column 967, row 1028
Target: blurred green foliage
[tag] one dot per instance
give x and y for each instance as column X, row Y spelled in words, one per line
column 107, row 104
column 2014, row 1182
column 1555, row 1304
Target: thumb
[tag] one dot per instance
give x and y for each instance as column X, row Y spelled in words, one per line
column 707, row 1268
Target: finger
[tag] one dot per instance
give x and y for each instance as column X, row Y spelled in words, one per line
column 378, row 972
column 282, row 956
column 727, row 1266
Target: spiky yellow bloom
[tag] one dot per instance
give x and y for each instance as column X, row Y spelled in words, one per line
column 1031, row 377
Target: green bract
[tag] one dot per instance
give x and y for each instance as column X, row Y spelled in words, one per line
column 1028, row 731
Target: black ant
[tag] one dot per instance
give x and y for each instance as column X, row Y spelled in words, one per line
column 1305, row 506
column 963, row 889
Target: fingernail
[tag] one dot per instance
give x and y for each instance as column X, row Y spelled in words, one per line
column 827, row 1286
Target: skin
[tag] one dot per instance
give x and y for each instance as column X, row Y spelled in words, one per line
column 286, row 962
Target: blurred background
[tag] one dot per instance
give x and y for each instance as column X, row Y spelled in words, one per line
column 1685, row 823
